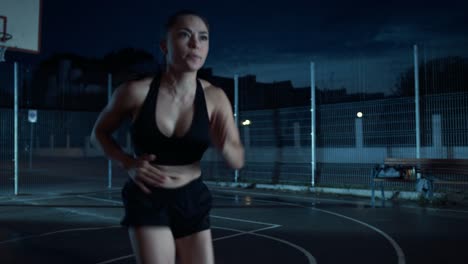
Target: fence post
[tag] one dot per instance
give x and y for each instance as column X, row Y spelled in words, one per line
column 416, row 104
column 312, row 121
column 109, row 161
column 16, row 130
column 236, row 113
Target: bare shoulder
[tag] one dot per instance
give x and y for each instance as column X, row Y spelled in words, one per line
column 136, row 90
column 128, row 97
column 132, row 93
column 214, row 95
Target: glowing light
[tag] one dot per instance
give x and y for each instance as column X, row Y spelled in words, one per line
column 359, row 114
column 246, row 122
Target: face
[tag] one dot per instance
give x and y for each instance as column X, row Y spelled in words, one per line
column 187, row 44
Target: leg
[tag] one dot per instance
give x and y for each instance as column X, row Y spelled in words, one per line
column 152, row 245
column 430, row 189
column 373, row 188
column 383, row 193
column 196, row 248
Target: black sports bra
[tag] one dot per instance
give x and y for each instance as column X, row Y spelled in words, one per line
column 148, row 139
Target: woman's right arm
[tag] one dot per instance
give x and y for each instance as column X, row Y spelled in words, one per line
column 122, row 104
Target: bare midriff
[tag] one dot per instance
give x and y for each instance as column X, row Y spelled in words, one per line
column 179, row 175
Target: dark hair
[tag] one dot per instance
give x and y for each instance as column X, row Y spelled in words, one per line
column 172, row 20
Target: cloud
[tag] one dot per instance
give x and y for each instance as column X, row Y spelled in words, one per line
column 363, row 48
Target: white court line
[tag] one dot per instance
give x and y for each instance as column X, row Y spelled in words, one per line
column 57, row 232
column 100, row 199
column 116, row 259
column 399, row 251
column 216, row 239
column 240, row 231
column 325, row 199
column 243, row 220
column 401, row 257
column 82, row 213
column 214, row 216
column 309, row 256
column 49, row 197
column 39, row 199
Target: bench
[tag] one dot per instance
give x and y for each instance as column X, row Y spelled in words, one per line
column 427, row 168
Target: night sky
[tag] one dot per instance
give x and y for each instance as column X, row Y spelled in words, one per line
column 274, row 40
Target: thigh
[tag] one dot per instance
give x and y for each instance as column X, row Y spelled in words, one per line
column 152, row 244
column 190, row 212
column 196, row 248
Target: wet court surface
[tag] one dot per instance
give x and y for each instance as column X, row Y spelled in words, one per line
column 249, row 226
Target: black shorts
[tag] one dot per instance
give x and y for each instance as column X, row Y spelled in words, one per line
column 185, row 210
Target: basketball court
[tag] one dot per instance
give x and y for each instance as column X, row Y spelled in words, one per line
column 248, row 226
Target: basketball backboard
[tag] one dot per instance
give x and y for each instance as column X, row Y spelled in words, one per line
column 20, row 25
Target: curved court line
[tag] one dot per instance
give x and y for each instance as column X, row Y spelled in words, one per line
column 309, row 256
column 399, row 251
column 57, row 232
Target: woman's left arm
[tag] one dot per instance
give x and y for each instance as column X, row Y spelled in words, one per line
column 224, row 132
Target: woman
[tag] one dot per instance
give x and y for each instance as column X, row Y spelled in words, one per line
column 174, row 117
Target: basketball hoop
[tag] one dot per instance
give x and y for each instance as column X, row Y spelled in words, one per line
column 20, row 26
column 4, row 37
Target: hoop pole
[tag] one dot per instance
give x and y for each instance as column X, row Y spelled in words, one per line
column 236, row 113
column 4, row 36
column 4, row 29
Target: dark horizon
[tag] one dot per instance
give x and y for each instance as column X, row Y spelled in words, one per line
column 362, row 45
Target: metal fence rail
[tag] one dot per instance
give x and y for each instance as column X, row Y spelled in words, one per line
column 55, row 154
